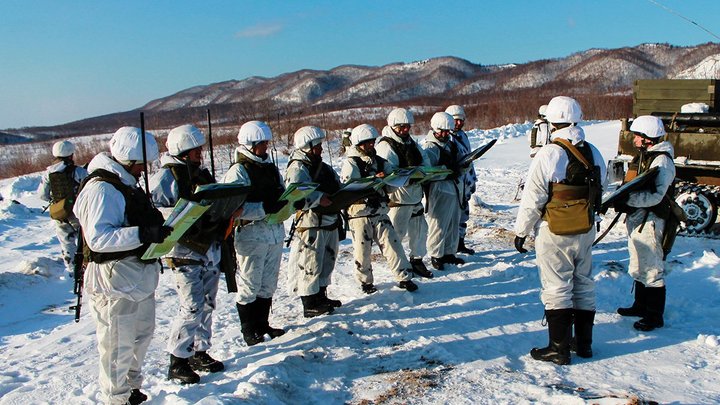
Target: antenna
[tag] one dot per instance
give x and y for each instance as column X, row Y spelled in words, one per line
column 683, row 17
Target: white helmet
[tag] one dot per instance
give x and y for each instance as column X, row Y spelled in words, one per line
column 63, row 149
column 184, row 138
column 362, row 133
column 126, row 145
column 442, row 121
column 400, row 116
column 456, row 111
column 562, row 109
column 307, row 137
column 542, row 110
column 649, row 126
column 254, row 131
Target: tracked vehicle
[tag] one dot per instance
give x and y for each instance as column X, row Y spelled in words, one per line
column 695, row 137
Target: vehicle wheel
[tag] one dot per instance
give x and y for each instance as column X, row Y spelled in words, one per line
column 700, row 209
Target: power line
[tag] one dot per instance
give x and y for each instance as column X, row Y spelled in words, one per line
column 684, row 18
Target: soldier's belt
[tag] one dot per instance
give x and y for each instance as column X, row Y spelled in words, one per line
column 175, row 262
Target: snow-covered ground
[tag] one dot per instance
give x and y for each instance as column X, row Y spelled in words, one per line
column 463, row 337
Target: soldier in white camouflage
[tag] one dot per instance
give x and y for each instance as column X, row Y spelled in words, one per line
column 368, row 217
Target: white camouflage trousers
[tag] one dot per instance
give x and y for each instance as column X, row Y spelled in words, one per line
column 565, row 265
column 67, row 234
column 258, row 269
column 443, row 218
column 378, row 229
column 124, row 331
column 191, row 331
column 646, row 254
column 409, row 221
column 312, row 260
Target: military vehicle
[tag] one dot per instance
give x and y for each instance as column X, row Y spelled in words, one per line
column 695, row 137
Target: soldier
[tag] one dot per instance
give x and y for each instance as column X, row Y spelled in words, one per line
column 119, row 223
column 647, row 212
column 258, row 244
column 469, row 178
column 444, row 197
column 540, row 132
column 59, row 186
column 345, row 142
column 314, row 250
column 560, row 172
column 400, row 151
column 194, row 260
column 368, row 218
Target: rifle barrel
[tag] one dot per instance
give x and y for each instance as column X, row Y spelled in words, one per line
column 210, row 142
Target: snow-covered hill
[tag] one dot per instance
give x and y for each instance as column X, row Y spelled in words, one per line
column 462, row 338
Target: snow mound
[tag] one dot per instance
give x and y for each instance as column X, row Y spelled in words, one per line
column 21, row 186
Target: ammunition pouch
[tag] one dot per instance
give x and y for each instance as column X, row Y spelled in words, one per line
column 61, row 210
column 570, row 209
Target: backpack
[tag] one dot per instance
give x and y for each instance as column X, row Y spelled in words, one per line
column 63, row 190
column 574, row 202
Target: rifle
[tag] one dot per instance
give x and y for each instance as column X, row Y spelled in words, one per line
column 144, row 152
column 291, row 233
column 79, row 275
column 519, row 190
column 612, row 224
column 212, row 156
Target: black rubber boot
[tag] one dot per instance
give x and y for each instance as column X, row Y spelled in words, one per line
column 408, row 285
column 201, row 361
column 137, row 397
column 464, row 249
column 264, row 305
column 180, row 370
column 248, row 323
column 418, row 267
column 452, row 259
column 654, row 310
column 369, row 288
column 638, row 306
column 324, row 297
column 315, row 305
column 437, row 263
column 560, row 332
column 582, row 342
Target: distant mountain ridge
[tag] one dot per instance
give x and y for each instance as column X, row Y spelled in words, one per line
column 436, row 81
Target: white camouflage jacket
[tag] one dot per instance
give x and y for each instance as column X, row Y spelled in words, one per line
column 548, row 166
column 258, row 230
column 666, row 165
column 412, row 193
column 432, row 147
column 165, row 194
column 350, row 170
column 298, row 172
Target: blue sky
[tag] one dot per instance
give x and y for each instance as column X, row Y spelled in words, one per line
column 68, row 60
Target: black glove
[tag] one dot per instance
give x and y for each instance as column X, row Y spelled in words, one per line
column 154, row 234
column 519, row 241
column 622, row 207
column 299, row 204
column 272, row 207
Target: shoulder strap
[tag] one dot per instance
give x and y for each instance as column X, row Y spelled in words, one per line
column 567, row 145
